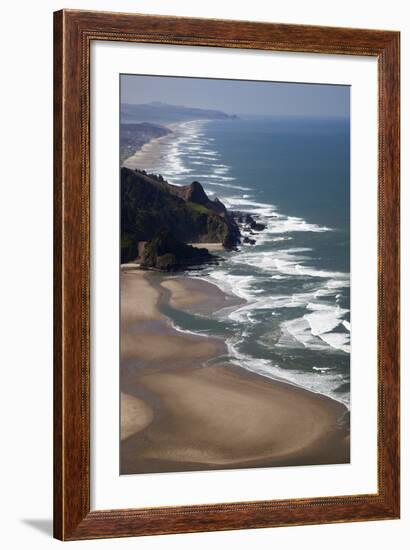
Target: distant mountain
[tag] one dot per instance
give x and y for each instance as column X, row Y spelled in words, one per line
column 164, row 113
column 149, row 204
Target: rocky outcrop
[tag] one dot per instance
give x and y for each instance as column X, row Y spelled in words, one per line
column 248, row 222
column 248, row 240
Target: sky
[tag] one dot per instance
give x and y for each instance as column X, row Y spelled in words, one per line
column 239, row 96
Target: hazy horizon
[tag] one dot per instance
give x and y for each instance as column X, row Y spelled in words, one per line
column 241, row 97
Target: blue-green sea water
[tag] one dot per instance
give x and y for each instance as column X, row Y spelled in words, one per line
column 292, row 174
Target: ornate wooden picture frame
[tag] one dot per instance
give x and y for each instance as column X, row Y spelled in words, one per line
column 74, row 32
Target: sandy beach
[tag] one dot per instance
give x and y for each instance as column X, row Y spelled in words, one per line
column 212, row 247
column 196, row 296
column 185, row 406
column 152, row 151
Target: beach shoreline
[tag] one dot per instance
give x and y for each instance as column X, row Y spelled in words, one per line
column 151, row 149
column 186, row 406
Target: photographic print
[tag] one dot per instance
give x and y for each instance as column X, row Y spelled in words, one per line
column 235, row 274
column 208, row 233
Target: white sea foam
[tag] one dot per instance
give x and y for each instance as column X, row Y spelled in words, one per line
column 249, row 205
column 283, row 224
column 296, row 333
column 228, row 185
column 238, row 285
column 290, row 262
column 326, row 384
column 283, row 261
column 208, row 179
column 208, row 153
column 316, row 330
column 325, row 319
column 337, row 340
column 275, row 222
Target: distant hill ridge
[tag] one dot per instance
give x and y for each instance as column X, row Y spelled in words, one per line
column 165, row 113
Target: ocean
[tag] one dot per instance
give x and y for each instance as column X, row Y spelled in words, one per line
column 293, row 174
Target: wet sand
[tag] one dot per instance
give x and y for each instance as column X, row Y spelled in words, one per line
column 185, row 407
column 197, row 295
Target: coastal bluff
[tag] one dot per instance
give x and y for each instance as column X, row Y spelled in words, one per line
column 150, row 205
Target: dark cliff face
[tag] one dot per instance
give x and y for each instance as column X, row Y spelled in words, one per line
column 148, row 203
column 164, row 252
column 193, row 192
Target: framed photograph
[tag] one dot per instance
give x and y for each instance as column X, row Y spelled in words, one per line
column 226, row 275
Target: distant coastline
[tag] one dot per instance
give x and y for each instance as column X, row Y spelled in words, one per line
column 136, row 132
column 148, row 144
column 133, row 137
